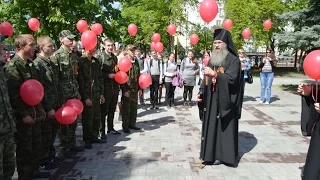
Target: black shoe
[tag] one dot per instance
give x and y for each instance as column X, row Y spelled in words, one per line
column 41, row 175
column 88, row 146
column 126, row 131
column 152, row 107
column 49, row 166
column 103, row 136
column 156, row 107
column 99, row 141
column 77, row 149
column 114, row 132
column 134, row 128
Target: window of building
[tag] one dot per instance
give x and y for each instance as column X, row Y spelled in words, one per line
column 218, row 22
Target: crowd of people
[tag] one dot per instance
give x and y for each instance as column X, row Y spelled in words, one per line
column 28, row 133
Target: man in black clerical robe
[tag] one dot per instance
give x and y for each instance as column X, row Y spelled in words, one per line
column 311, row 170
column 308, row 114
column 221, row 94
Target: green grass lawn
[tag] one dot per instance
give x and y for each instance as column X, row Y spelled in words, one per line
column 281, row 72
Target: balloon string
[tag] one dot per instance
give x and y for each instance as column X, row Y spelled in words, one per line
column 35, row 113
column 316, row 91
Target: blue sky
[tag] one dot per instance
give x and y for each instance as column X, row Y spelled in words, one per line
column 116, row 5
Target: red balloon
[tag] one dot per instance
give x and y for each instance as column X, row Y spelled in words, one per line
column 152, row 45
column 124, row 64
column 311, row 65
column 194, row 38
column 97, row 28
column 6, row 29
column 156, row 37
column 82, row 25
column 31, row 92
column 75, row 104
column 34, row 24
column 206, row 61
column 171, row 29
column 89, row 40
column 66, row 115
column 121, row 77
column 132, row 29
column 227, row 24
column 267, row 24
column 158, row 47
column 208, row 10
column 246, row 33
column 145, row 80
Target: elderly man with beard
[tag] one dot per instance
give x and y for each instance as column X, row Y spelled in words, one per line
column 221, row 93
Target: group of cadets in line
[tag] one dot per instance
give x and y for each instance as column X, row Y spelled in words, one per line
column 33, row 129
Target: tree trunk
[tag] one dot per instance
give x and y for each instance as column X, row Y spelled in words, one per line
column 300, row 62
column 295, row 59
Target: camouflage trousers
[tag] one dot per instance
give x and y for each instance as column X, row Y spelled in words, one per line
column 7, row 156
column 49, row 128
column 67, row 135
column 129, row 108
column 28, row 140
column 108, row 108
column 91, row 119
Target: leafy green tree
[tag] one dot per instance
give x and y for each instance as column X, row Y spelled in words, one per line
column 306, row 31
column 151, row 16
column 55, row 16
column 251, row 14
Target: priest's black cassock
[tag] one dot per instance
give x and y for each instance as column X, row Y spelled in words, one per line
column 222, row 108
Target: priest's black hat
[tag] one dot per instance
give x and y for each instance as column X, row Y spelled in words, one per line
column 225, row 36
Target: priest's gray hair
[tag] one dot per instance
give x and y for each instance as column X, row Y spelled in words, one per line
column 218, row 56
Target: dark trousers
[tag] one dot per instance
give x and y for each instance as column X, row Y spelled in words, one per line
column 187, row 91
column 129, row 110
column 91, row 117
column 170, row 93
column 67, row 135
column 7, row 156
column 28, row 140
column 49, row 129
column 154, row 88
column 141, row 98
column 108, row 108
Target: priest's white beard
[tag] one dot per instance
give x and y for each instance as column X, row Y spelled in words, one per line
column 218, row 57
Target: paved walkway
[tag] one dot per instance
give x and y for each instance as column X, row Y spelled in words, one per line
column 270, row 143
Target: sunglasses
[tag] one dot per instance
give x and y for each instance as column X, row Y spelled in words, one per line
column 240, row 52
column 269, row 52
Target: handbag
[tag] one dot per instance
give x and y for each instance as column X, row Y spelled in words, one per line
column 250, row 78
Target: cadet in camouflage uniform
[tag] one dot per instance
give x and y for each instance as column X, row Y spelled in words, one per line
column 28, row 118
column 8, row 127
column 91, row 90
column 67, row 89
column 130, row 91
column 111, row 88
column 49, row 126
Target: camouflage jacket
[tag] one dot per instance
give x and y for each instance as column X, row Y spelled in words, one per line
column 90, row 78
column 49, row 81
column 7, row 117
column 132, row 85
column 18, row 71
column 109, row 66
column 64, row 62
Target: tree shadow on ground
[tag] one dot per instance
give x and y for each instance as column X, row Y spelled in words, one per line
column 107, row 154
column 249, row 98
column 247, row 142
